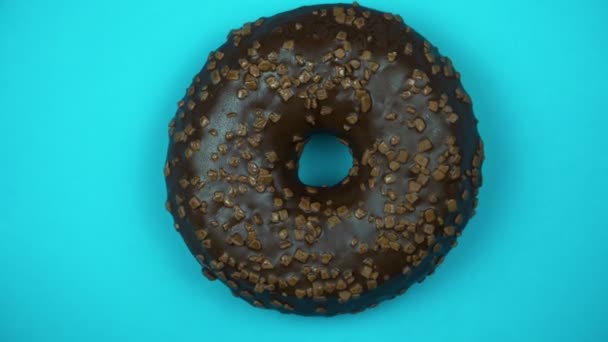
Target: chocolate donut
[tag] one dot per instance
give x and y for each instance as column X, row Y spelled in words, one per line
column 371, row 81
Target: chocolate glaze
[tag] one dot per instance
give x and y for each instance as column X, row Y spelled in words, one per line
column 231, row 169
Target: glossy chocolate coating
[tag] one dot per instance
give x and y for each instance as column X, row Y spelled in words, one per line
column 231, row 169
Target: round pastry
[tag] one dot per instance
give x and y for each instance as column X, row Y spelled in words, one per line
column 232, row 167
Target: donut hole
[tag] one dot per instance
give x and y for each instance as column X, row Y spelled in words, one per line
column 325, row 161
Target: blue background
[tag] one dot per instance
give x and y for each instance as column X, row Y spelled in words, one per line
column 87, row 251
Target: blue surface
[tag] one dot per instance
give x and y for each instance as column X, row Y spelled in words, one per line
column 325, row 161
column 88, row 253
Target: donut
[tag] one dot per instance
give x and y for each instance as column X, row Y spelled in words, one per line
column 371, row 81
